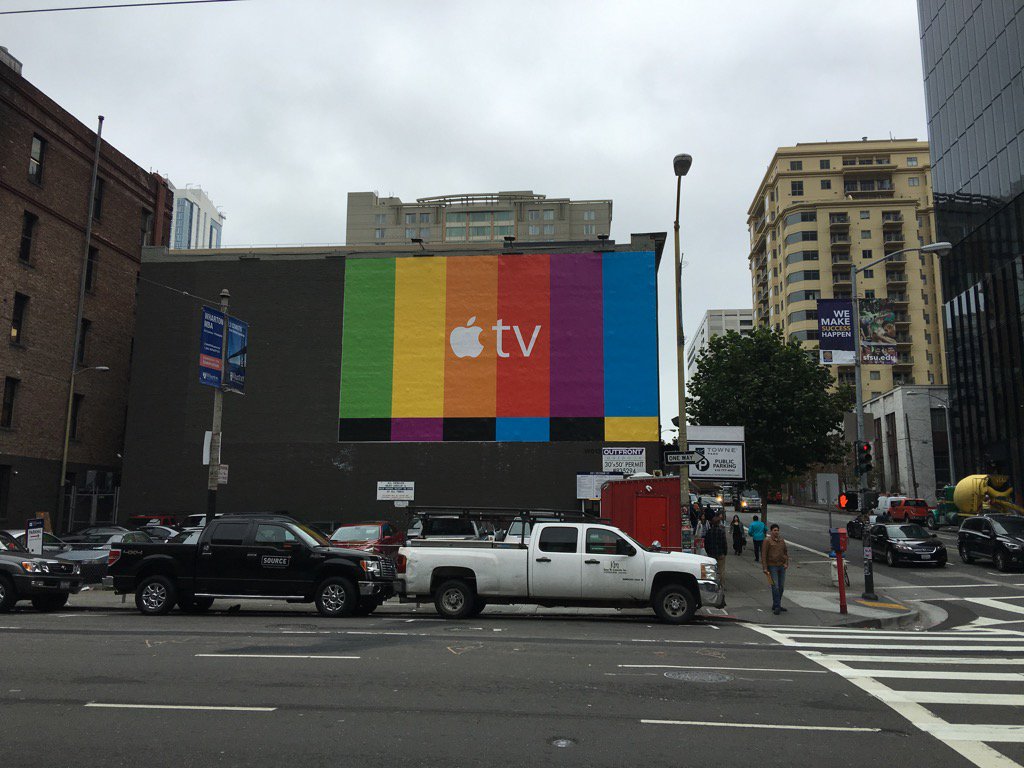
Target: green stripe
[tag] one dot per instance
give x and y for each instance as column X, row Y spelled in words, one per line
column 368, row 339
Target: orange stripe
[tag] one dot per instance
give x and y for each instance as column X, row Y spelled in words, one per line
column 470, row 383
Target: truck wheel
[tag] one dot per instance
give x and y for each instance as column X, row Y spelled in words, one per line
column 195, row 604
column 932, row 523
column 7, row 595
column 675, row 604
column 454, row 599
column 336, row 597
column 156, row 596
column 50, row 602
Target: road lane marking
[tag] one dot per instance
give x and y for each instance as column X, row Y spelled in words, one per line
column 267, row 656
column 764, row 726
column 185, row 707
column 892, row 647
column 731, row 669
column 945, row 586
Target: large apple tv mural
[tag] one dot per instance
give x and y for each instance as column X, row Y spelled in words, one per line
column 535, row 348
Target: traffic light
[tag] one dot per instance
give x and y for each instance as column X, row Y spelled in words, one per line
column 863, row 458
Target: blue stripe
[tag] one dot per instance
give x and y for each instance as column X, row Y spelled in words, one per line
column 630, row 334
column 522, row 430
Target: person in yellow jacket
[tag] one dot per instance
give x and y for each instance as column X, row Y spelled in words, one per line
column 775, row 559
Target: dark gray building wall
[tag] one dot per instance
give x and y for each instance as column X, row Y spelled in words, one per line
column 280, row 438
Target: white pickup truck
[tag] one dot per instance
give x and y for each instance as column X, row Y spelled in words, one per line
column 562, row 564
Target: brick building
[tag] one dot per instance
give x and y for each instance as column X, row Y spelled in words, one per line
column 46, row 158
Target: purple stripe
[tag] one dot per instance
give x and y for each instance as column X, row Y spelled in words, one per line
column 417, row 430
column 577, row 335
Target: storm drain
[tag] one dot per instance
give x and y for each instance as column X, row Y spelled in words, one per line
column 562, row 742
column 698, row 676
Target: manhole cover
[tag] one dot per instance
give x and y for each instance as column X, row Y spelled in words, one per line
column 560, row 742
column 698, row 676
column 295, row 627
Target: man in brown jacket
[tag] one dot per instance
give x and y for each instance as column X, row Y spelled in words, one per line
column 775, row 560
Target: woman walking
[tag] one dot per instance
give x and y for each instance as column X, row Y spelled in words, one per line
column 699, row 533
column 739, row 538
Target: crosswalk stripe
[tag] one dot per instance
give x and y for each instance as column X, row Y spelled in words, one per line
column 999, row 605
column 987, row 661
column 913, row 674
column 898, row 647
column 977, row 732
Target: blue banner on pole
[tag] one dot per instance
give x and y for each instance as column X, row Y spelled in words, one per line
column 211, row 343
column 238, row 341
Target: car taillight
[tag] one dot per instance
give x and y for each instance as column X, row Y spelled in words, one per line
column 400, row 563
column 113, row 556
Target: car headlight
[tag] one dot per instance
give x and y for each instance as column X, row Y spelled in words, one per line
column 1013, row 547
column 904, row 547
column 32, row 567
column 709, row 571
column 372, row 567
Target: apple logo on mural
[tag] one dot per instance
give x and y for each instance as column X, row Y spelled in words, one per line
column 465, row 340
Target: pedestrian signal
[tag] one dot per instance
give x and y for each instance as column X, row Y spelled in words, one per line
column 863, row 458
column 844, row 501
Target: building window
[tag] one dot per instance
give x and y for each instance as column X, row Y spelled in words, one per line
column 826, row 184
column 28, row 229
column 796, row 165
column 425, row 218
column 549, row 230
column 35, row 159
column 97, row 201
column 410, row 232
column 380, row 219
column 875, row 375
column 18, row 319
column 914, row 181
column 865, row 234
column 10, row 393
column 796, row 188
column 866, row 253
column 378, row 234
column 806, row 274
column 802, row 236
column 796, row 218
column 589, row 229
column 869, row 294
column 76, row 411
column 90, row 268
column 590, row 215
column 869, row 273
column 503, row 215
column 410, row 218
column 824, row 164
column 504, row 230
column 865, row 214
column 480, row 233
column 146, row 228
column 911, row 162
column 533, row 215
column 455, row 233
column 549, row 214
column 425, row 233
column 83, row 334
column 533, row 229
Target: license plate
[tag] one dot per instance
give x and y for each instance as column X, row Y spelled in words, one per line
column 926, row 557
column 65, row 585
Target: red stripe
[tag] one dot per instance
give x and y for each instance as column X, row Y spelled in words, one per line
column 524, row 290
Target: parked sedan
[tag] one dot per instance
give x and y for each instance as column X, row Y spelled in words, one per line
column 380, row 537
column 159, row 532
column 999, row 538
column 93, row 560
column 87, row 537
column 906, row 543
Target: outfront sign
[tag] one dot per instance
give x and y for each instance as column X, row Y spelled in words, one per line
column 723, row 461
column 624, row 461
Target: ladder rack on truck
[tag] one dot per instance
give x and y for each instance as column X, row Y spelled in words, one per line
column 503, row 516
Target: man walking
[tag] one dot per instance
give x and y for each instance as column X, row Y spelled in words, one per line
column 776, row 561
column 716, row 545
column 757, row 531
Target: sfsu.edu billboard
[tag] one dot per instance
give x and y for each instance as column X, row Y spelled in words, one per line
column 530, row 348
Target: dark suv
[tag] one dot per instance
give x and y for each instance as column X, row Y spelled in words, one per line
column 24, row 576
column 999, row 538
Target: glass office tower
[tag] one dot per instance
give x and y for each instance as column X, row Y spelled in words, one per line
column 973, row 54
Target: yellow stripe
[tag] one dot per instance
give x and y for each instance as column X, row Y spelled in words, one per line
column 418, row 379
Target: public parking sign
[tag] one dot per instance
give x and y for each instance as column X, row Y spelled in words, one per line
column 722, row 461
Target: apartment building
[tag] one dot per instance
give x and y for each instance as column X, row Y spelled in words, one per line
column 716, row 322
column 821, row 210
column 491, row 217
column 197, row 222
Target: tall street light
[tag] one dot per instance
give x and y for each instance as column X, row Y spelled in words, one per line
column 862, row 481
column 67, row 439
column 681, row 165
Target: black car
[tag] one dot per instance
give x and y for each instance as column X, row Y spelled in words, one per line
column 906, row 543
column 24, row 576
column 90, row 537
column 999, row 538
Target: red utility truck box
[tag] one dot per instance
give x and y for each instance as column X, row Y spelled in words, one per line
column 645, row 508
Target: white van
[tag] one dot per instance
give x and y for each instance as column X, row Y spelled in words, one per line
column 884, row 503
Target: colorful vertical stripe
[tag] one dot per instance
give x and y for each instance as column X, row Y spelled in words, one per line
column 533, row 347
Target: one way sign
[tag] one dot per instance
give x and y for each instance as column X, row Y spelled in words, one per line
column 688, row 457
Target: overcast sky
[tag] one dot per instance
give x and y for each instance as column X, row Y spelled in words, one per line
column 278, row 108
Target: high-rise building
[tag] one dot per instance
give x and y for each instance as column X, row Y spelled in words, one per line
column 475, row 218
column 197, row 222
column 823, row 208
column 973, row 55
column 45, row 262
column 716, row 322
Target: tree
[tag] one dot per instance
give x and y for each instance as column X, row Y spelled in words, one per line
column 792, row 412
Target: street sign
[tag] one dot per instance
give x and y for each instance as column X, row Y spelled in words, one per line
column 723, row 461
column 222, row 474
column 688, row 457
column 34, row 535
column 396, row 490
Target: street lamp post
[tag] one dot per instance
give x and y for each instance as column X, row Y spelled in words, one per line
column 862, row 481
column 67, row 440
column 681, row 165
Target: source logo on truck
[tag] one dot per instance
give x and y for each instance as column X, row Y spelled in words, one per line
column 275, row 561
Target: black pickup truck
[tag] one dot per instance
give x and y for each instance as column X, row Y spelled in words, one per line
column 251, row 556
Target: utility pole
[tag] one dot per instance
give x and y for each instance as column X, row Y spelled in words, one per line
column 218, row 411
column 681, row 165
